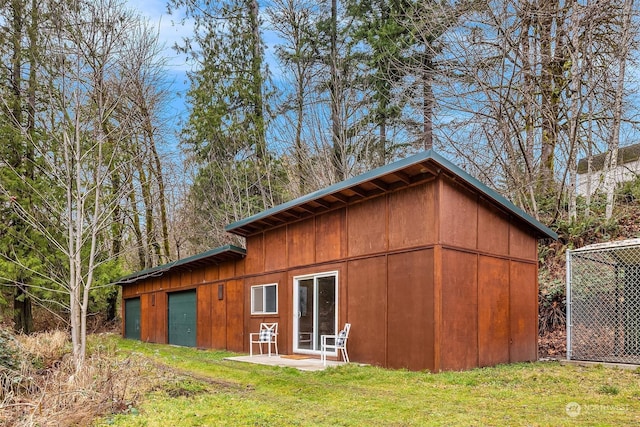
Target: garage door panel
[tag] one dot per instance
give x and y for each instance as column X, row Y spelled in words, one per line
column 132, row 318
column 182, row 318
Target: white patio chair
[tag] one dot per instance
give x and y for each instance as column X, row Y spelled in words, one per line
column 268, row 335
column 339, row 343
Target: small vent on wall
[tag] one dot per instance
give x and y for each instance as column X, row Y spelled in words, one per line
column 220, row 292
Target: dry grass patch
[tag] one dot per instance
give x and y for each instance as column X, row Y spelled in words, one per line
column 44, row 389
column 45, row 348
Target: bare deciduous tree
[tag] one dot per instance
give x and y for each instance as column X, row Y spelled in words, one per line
column 621, row 56
column 81, row 137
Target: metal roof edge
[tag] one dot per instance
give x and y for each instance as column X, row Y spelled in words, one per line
column 626, row 154
column 161, row 269
column 395, row 166
column 367, row 176
column 495, row 196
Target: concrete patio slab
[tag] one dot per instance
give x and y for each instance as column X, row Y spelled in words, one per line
column 301, row 364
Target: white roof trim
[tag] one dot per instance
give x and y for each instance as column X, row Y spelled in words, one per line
column 609, row 245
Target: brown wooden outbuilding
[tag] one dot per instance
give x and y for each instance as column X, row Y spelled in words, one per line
column 433, row 269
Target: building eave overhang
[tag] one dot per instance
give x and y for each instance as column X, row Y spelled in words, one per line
column 210, row 257
column 628, row 154
column 407, row 172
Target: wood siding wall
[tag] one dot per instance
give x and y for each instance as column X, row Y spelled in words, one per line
column 489, row 284
column 430, row 277
column 220, row 323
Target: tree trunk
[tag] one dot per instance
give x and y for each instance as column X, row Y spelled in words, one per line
column 589, row 189
column 301, row 90
column 112, row 304
column 23, row 160
column 157, row 172
column 145, row 187
column 164, row 221
column 137, row 230
column 428, row 101
column 591, row 84
column 299, row 151
column 256, row 76
column 382, row 144
column 529, row 103
column 575, row 111
column 16, row 62
column 551, row 69
column 614, row 141
column 336, row 98
column 22, row 312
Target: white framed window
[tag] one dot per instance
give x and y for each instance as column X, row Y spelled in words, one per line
column 264, row 299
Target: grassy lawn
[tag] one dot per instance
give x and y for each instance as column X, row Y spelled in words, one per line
column 204, row 390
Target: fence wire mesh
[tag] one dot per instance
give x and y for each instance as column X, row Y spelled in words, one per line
column 603, row 304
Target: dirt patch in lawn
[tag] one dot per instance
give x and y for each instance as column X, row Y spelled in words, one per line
column 179, row 382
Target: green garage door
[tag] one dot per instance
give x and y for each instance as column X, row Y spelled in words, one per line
column 132, row 318
column 182, row 318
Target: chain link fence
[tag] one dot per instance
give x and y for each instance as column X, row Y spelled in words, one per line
column 603, row 302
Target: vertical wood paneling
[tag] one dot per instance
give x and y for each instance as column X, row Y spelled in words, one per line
column 252, row 322
column 523, row 298
column 410, row 328
column 155, row 318
column 458, row 216
column 285, row 308
column 147, row 315
column 235, row 315
column 459, row 340
column 161, row 325
column 367, row 315
column 227, row 270
column 436, row 309
column 522, row 244
column 211, row 273
column 186, row 279
column 493, row 311
column 367, row 227
column 239, row 267
column 203, row 330
column 254, row 261
column 218, row 317
column 301, row 242
column 155, row 313
column 197, row 276
column 493, row 230
column 174, row 281
column 156, row 283
column 411, row 217
column 330, row 235
column 275, row 257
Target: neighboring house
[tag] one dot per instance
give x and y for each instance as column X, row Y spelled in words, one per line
column 628, row 169
column 433, row 269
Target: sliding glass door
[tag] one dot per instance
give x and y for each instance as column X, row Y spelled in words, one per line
column 315, row 303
